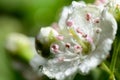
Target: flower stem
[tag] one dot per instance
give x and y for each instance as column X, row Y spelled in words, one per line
column 115, row 54
column 111, row 70
column 107, row 69
column 116, row 46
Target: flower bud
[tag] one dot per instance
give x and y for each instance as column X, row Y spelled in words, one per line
column 44, row 39
column 20, row 45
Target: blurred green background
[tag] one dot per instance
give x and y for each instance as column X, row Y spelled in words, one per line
column 26, row 17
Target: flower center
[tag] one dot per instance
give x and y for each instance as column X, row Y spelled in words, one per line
column 85, row 43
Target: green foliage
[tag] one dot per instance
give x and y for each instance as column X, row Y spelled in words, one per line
column 89, row 1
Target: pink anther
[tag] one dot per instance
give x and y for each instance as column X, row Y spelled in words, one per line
column 97, row 20
column 67, row 45
column 88, row 16
column 55, row 47
column 79, row 31
column 60, row 37
column 78, row 48
column 89, row 39
column 98, row 30
column 69, row 23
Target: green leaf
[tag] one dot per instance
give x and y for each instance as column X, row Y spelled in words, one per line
column 89, row 1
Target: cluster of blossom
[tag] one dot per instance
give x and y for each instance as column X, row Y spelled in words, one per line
column 79, row 42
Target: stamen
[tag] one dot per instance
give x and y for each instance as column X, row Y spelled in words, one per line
column 102, row 1
column 60, row 37
column 61, row 59
column 78, row 48
column 98, row 30
column 79, row 31
column 67, row 45
column 97, row 20
column 84, row 35
column 69, row 23
column 55, row 48
column 89, row 39
column 88, row 16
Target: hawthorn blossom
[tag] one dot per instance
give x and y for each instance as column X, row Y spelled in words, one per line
column 82, row 42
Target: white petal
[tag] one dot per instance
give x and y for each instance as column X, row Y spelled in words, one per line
column 78, row 4
column 60, row 70
column 37, row 61
column 109, row 27
column 64, row 15
column 66, row 63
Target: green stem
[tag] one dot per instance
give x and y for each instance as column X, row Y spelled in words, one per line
column 111, row 70
column 105, row 67
column 115, row 54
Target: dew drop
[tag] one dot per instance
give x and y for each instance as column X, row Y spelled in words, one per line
column 40, row 68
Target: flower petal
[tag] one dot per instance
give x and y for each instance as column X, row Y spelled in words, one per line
column 59, row 69
column 109, row 27
column 87, row 33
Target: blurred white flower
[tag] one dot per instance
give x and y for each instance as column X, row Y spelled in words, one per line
column 20, row 45
column 118, row 1
column 84, row 39
column 16, row 40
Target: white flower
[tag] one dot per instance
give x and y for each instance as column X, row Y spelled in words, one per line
column 86, row 33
